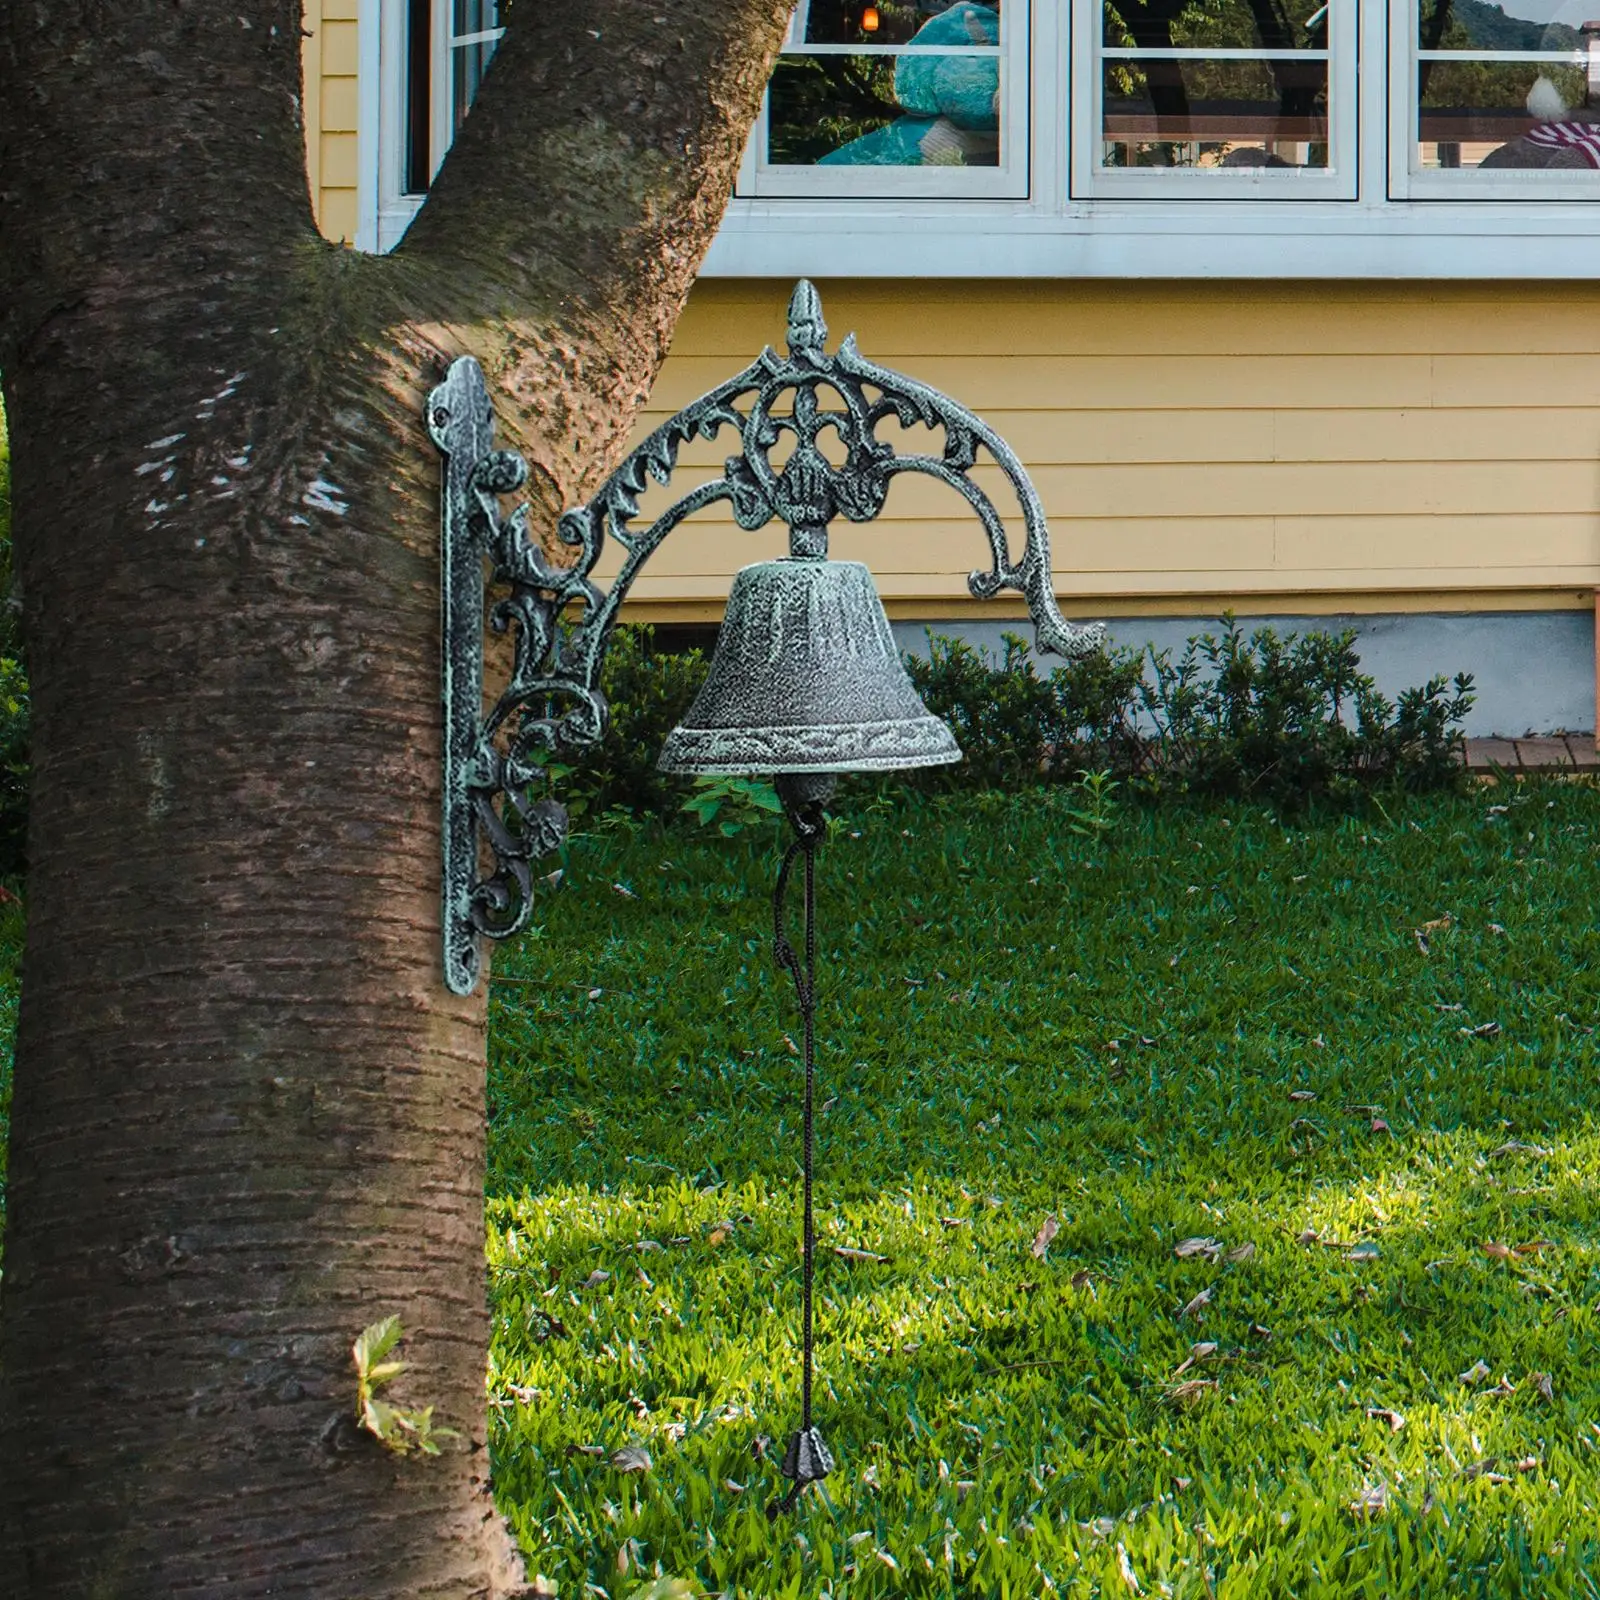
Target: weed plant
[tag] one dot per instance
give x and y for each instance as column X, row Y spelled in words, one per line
column 1310, row 1110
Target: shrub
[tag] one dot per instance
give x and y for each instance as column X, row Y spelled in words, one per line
column 648, row 690
column 1015, row 727
column 1293, row 719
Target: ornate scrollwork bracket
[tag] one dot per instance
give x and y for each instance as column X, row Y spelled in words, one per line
column 493, row 763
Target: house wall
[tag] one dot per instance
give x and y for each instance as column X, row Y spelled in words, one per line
column 329, row 63
column 1314, row 448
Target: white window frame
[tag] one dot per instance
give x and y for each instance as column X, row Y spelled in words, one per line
column 1091, row 180
column 397, row 206
column 1524, row 232
column 763, row 179
column 1407, row 181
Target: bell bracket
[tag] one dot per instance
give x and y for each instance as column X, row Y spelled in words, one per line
column 561, row 621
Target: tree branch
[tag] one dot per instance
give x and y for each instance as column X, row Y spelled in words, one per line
column 565, row 229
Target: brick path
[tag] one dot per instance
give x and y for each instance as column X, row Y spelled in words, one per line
column 1572, row 751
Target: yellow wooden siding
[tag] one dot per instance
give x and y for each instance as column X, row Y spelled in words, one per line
column 330, row 71
column 1306, row 447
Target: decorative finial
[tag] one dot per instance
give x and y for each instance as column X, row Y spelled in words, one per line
column 808, row 333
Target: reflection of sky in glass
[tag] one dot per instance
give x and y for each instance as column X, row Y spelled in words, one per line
column 1570, row 13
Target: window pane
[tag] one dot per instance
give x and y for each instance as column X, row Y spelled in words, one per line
column 1505, row 115
column 1552, row 25
column 858, row 22
column 473, row 16
column 885, row 110
column 1221, row 25
column 468, row 63
column 1215, row 114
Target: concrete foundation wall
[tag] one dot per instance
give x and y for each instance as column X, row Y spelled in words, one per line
column 1534, row 671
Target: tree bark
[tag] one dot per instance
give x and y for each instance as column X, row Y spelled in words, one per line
column 247, row 1118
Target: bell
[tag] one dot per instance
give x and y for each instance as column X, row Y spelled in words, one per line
column 806, row 679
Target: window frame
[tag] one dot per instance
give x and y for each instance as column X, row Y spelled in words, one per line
column 1251, row 185
column 1010, row 180
column 397, row 203
column 1057, row 231
column 1466, row 184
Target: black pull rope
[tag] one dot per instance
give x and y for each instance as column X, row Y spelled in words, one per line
column 807, row 1459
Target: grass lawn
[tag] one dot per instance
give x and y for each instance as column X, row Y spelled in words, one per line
column 1371, row 1369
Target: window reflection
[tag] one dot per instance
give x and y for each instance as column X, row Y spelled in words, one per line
column 909, row 84
column 1513, row 87
column 1214, row 84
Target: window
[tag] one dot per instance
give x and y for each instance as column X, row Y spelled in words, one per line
column 1111, row 138
column 433, row 55
column 1496, row 101
column 1225, row 98
column 896, row 97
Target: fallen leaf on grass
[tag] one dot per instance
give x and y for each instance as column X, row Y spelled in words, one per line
column 1528, row 1464
column 631, row 1458
column 1371, row 1502
column 846, row 1253
column 644, row 1246
column 1484, row 1030
column 718, row 1236
column 1363, row 1252
column 624, row 891
column 596, row 1278
column 1484, row 1471
column 1380, row 1126
column 1476, row 1373
column 665, row 1589
column 1302, row 1094
column 954, row 1222
column 1515, row 1147
column 1196, row 1306
column 1190, row 1392
column 1543, row 1384
column 1242, row 1252
column 595, row 1450
column 1395, row 1419
column 1083, row 1279
column 1500, row 1252
column 1048, row 1229
column 1209, row 1248
column 1125, row 1567
column 1197, row 1353
column 1533, row 1247
column 1306, row 1236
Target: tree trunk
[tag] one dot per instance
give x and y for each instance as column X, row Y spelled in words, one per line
column 248, row 1120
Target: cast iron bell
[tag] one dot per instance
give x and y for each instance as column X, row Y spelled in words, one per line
column 806, row 679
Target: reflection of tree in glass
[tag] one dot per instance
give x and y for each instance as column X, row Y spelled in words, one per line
column 1495, row 87
column 1222, row 25
column 821, row 103
column 1477, row 25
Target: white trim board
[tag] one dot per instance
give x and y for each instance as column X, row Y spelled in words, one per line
column 1201, row 239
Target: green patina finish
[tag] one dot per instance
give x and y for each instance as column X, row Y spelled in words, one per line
column 494, row 764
